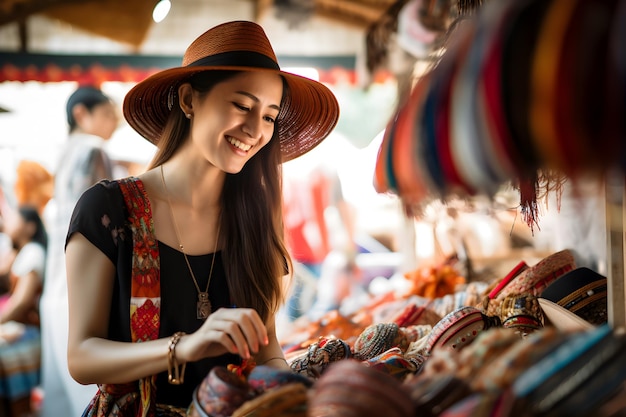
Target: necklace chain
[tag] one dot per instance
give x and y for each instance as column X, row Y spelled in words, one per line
column 203, row 305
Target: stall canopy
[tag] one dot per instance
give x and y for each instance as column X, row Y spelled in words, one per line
column 129, row 22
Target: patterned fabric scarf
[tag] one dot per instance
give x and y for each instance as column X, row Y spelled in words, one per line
column 145, row 301
column 117, row 400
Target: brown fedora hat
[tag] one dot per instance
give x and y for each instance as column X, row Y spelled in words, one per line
column 308, row 113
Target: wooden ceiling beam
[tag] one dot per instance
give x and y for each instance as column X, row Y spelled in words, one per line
column 362, row 12
column 377, row 4
column 19, row 10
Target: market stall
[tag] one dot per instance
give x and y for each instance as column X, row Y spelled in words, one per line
column 510, row 101
column 529, row 93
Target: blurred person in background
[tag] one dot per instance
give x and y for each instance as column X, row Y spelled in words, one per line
column 7, row 253
column 315, row 241
column 30, row 240
column 92, row 118
column 20, row 341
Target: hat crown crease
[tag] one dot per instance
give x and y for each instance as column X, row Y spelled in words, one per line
column 240, row 36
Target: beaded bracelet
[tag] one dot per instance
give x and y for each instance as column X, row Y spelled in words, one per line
column 175, row 372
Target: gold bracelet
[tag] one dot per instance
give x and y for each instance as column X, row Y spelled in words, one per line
column 175, row 372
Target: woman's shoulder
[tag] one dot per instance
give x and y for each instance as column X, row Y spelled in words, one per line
column 112, row 195
column 104, row 186
column 104, row 195
column 99, row 193
column 107, row 190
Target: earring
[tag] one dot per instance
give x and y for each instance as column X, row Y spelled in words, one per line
column 170, row 97
column 188, row 115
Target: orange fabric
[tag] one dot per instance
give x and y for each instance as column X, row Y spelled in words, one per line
column 33, row 185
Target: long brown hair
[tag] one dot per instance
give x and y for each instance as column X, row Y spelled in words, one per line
column 253, row 251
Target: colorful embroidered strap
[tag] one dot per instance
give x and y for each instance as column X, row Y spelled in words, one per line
column 136, row 398
column 145, row 299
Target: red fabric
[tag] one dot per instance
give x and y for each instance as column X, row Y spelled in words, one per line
column 136, row 398
column 304, row 204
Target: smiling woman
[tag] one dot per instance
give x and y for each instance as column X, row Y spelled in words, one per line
column 245, row 106
column 194, row 245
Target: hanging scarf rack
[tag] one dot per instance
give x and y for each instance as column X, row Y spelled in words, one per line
column 527, row 92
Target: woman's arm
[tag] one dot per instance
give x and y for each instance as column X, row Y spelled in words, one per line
column 23, row 298
column 6, row 260
column 94, row 359
column 91, row 357
column 272, row 354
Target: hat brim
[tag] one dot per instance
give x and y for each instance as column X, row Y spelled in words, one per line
column 308, row 113
column 562, row 318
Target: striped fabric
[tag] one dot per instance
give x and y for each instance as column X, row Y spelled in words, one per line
column 20, row 363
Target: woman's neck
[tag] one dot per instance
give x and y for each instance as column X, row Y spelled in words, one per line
column 196, row 185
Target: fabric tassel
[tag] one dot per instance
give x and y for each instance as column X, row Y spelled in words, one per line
column 528, row 201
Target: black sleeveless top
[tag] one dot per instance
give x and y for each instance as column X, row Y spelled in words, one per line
column 101, row 216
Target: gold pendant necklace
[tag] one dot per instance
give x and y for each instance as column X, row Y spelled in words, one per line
column 203, row 305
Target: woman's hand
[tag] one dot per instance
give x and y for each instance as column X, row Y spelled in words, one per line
column 228, row 330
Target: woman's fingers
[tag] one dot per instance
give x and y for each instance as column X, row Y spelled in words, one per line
column 239, row 330
column 253, row 329
column 235, row 332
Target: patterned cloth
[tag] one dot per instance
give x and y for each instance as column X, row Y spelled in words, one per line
column 394, row 363
column 221, row 393
column 458, row 329
column 533, row 280
column 19, row 369
column 263, row 378
column 378, row 338
column 319, row 356
column 351, row 388
column 115, row 400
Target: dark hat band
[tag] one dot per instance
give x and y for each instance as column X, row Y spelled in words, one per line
column 237, row 59
column 585, row 295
